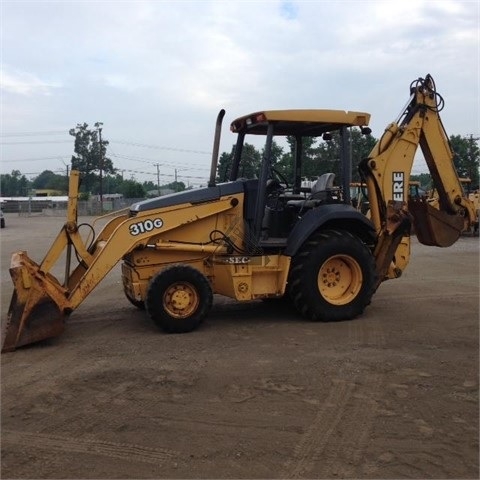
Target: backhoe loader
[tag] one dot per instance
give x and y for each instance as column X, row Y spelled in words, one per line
column 258, row 238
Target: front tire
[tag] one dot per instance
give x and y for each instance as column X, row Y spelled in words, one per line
column 179, row 298
column 333, row 277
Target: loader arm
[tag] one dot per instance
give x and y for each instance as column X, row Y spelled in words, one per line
column 41, row 303
column 110, row 249
column 387, row 173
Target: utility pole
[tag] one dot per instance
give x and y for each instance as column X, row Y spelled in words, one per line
column 101, row 166
column 158, row 178
column 68, row 177
column 67, row 166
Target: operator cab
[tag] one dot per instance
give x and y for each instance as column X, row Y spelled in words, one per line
column 284, row 193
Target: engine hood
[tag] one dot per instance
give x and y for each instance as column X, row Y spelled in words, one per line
column 197, row 195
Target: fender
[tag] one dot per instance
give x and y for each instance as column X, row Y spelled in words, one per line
column 337, row 215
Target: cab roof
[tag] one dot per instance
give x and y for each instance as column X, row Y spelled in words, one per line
column 298, row 122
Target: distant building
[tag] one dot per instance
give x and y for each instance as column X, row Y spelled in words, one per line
column 46, row 192
column 163, row 191
column 108, row 196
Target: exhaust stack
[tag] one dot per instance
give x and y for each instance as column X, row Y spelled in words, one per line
column 216, row 148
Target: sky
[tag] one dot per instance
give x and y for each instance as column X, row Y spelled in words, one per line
column 156, row 73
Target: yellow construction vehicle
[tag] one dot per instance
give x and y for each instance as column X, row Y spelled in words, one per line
column 474, row 197
column 470, row 226
column 256, row 238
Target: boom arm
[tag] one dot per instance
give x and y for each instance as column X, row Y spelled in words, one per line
column 387, row 173
column 40, row 303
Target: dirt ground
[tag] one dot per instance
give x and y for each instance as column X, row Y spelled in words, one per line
column 256, row 392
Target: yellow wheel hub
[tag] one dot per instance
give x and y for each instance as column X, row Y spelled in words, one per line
column 181, row 300
column 340, row 279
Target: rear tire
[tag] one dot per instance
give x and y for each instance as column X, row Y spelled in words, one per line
column 179, row 298
column 333, row 277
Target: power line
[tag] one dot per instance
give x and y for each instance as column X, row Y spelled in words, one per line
column 32, row 142
column 154, row 162
column 38, row 159
column 64, row 132
column 34, row 134
column 159, row 147
column 143, row 145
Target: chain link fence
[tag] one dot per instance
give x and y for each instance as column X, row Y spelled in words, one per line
column 28, row 208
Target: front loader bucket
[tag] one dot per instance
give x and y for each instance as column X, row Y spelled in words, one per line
column 434, row 227
column 34, row 314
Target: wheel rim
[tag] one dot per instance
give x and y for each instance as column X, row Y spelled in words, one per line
column 181, row 300
column 340, row 279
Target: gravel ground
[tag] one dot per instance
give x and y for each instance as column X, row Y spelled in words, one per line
column 256, row 392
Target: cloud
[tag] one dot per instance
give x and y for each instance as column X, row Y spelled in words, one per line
column 24, row 83
column 158, row 72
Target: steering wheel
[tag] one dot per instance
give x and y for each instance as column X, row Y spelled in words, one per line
column 275, row 188
column 280, row 177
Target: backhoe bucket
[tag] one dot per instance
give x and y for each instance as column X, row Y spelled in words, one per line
column 33, row 314
column 434, row 227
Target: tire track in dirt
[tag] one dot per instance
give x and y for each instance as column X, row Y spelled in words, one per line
column 32, row 371
column 56, row 443
column 357, row 425
column 309, row 450
column 427, row 296
column 354, row 432
column 342, row 424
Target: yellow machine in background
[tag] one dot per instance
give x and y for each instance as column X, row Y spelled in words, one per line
column 254, row 238
column 470, row 226
column 474, row 198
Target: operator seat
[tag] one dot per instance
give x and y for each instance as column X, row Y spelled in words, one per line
column 319, row 193
column 324, row 183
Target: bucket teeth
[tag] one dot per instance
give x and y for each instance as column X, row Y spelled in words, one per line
column 34, row 314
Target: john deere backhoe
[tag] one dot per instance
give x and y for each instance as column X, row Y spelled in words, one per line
column 255, row 238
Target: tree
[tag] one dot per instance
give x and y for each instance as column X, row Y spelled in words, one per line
column 327, row 158
column 317, row 159
column 425, row 180
column 328, row 153
column 90, row 153
column 131, row 189
column 14, row 184
column 276, row 153
column 466, row 157
column 249, row 163
column 362, row 145
column 285, row 163
column 50, row 180
column 111, row 183
column 43, row 180
column 149, row 186
column 175, row 186
column 224, row 167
